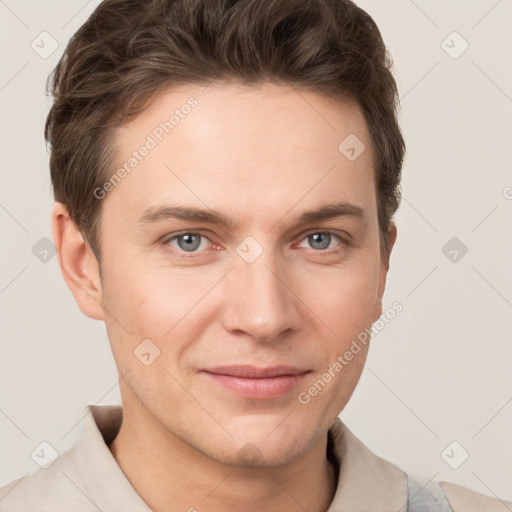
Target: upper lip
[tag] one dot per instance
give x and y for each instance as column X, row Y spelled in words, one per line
column 252, row 372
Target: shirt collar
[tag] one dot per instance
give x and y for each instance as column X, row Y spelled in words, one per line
column 107, row 485
column 365, row 481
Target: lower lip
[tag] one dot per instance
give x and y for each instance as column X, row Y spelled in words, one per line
column 270, row 387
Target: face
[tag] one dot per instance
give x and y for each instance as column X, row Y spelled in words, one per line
column 185, row 294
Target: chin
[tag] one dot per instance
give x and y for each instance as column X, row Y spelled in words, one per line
column 274, row 439
column 253, row 455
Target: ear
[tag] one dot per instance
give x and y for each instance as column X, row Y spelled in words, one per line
column 78, row 263
column 392, row 232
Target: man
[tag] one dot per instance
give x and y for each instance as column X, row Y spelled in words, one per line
column 225, row 176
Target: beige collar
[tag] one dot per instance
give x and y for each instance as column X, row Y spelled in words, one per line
column 366, row 482
column 107, row 485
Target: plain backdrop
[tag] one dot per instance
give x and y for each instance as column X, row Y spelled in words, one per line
column 438, row 380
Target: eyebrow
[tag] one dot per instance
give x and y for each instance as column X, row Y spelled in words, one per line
column 208, row 216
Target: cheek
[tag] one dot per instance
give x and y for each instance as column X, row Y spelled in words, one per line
column 151, row 300
column 168, row 306
column 342, row 298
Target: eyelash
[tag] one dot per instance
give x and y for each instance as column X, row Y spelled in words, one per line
column 344, row 243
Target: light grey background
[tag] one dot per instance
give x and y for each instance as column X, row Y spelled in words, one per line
column 439, row 372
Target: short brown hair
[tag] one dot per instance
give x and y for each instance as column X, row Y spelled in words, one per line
column 130, row 50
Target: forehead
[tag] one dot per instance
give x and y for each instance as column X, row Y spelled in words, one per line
column 232, row 146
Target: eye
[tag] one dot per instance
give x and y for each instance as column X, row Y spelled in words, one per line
column 188, row 242
column 321, row 240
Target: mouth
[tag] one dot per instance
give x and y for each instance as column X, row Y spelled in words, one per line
column 257, row 383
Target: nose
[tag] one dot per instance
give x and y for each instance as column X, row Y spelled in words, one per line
column 260, row 300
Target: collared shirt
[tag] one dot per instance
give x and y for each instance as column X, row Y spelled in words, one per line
column 87, row 478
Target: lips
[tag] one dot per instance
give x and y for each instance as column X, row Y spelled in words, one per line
column 252, row 372
column 257, row 383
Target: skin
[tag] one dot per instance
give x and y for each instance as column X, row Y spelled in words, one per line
column 262, row 156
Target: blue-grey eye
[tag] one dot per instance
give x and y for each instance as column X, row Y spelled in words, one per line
column 321, row 240
column 188, row 242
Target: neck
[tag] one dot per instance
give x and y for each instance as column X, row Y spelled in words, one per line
column 164, row 470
